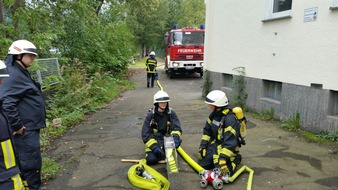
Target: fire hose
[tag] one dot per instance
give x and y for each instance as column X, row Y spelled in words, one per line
column 214, row 177
column 143, row 176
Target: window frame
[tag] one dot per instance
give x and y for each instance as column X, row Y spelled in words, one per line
column 270, row 15
column 228, row 80
column 272, row 90
column 333, row 103
column 334, row 5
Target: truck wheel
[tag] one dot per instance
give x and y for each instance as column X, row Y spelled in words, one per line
column 171, row 73
column 201, row 74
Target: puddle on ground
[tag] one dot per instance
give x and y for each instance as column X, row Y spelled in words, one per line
column 329, row 182
column 282, row 153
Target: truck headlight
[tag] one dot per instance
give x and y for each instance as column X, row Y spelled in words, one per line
column 175, row 64
column 201, row 64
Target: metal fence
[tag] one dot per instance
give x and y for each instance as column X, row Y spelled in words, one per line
column 50, row 67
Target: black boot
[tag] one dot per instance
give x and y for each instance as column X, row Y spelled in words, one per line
column 148, row 84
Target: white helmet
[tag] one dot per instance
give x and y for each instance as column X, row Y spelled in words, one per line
column 152, row 53
column 217, row 98
column 161, row 96
column 22, row 46
column 3, row 70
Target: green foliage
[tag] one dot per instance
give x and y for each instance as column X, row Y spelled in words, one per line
column 267, row 114
column 329, row 136
column 77, row 95
column 139, row 64
column 49, row 168
column 206, row 84
column 150, row 19
column 292, row 123
column 74, row 28
column 239, row 95
column 191, row 13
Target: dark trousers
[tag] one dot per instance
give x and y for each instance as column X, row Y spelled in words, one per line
column 152, row 158
column 150, row 79
column 208, row 163
column 28, row 149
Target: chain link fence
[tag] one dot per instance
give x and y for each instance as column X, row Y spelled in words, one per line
column 49, row 74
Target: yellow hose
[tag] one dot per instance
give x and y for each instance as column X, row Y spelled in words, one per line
column 200, row 169
column 189, row 160
column 159, row 182
column 251, row 172
column 159, row 85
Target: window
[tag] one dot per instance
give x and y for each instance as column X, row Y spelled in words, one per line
column 277, row 9
column 228, row 80
column 333, row 103
column 272, row 90
column 318, row 86
column 334, row 4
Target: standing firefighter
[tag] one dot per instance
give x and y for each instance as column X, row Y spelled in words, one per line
column 24, row 105
column 151, row 64
column 221, row 138
column 9, row 169
column 159, row 122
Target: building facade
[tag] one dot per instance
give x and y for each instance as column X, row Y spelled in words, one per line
column 289, row 52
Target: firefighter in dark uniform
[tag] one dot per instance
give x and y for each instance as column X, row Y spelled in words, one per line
column 151, row 64
column 9, row 170
column 159, row 122
column 220, row 143
column 24, row 106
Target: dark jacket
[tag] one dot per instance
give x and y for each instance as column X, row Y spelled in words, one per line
column 23, row 101
column 7, row 154
column 223, row 129
column 159, row 128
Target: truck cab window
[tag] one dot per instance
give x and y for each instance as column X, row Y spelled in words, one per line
column 177, row 38
column 193, row 38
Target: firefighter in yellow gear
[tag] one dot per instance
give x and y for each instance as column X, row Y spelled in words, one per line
column 151, row 64
column 9, row 170
column 221, row 140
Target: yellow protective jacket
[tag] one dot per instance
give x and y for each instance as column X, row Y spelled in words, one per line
column 9, row 169
column 151, row 64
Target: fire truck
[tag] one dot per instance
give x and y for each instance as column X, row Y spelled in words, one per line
column 184, row 51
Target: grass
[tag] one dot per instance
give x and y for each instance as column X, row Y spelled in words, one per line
column 70, row 108
column 49, row 168
column 292, row 124
column 139, row 63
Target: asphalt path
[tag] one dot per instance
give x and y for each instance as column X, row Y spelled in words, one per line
column 91, row 152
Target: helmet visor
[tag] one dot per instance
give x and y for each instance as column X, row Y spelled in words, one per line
column 209, row 101
column 31, row 50
column 162, row 99
column 4, row 72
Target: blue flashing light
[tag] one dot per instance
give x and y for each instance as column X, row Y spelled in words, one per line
column 202, row 26
column 175, row 26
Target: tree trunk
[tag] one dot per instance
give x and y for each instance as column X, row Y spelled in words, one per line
column 16, row 6
column 2, row 13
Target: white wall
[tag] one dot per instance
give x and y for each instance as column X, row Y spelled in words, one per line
column 288, row 50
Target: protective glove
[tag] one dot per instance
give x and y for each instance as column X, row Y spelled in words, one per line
column 158, row 151
column 202, row 153
column 223, row 166
column 177, row 141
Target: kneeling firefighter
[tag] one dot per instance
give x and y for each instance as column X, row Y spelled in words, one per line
column 221, row 140
column 160, row 121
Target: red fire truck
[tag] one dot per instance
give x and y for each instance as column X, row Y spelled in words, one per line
column 184, row 49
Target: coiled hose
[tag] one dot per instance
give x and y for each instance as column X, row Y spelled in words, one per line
column 153, row 180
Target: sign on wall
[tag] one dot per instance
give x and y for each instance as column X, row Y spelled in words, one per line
column 310, row 14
